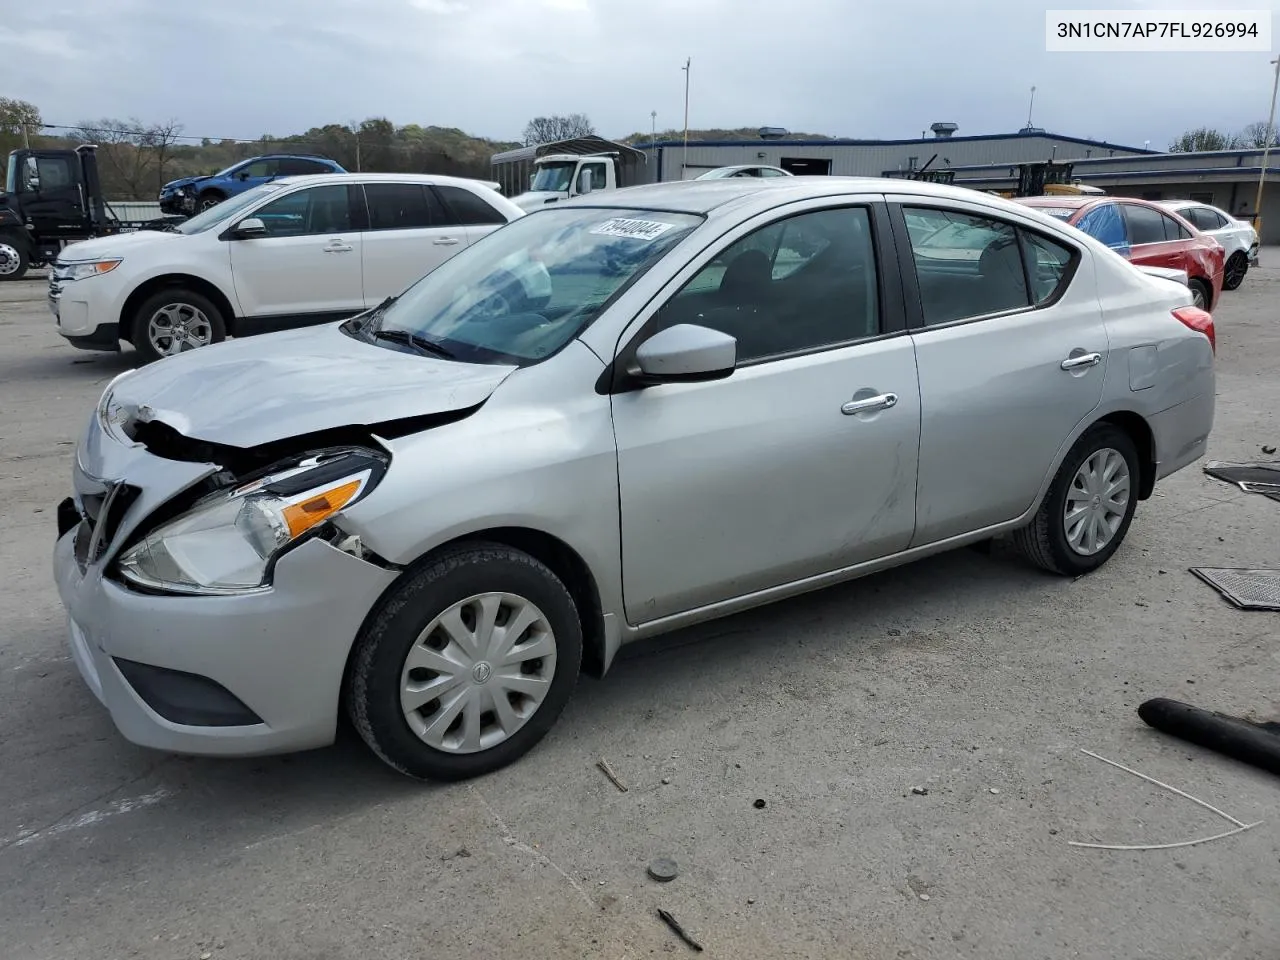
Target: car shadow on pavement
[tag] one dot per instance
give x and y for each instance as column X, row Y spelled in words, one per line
column 708, row 663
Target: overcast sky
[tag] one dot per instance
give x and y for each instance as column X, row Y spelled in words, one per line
column 859, row 69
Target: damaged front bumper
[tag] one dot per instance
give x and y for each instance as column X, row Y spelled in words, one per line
column 234, row 675
column 231, row 676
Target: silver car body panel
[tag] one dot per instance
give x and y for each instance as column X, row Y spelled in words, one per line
column 254, row 390
column 683, row 502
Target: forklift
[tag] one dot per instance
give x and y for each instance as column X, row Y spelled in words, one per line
column 1047, row 179
column 52, row 198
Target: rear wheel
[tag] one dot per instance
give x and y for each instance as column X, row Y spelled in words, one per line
column 467, row 664
column 13, row 258
column 1237, row 267
column 1200, row 293
column 175, row 320
column 1089, row 506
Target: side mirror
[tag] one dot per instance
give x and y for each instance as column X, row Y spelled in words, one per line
column 242, row 175
column 686, row 353
column 586, row 184
column 249, row 228
column 33, row 173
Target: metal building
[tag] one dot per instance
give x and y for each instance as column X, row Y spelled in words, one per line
column 670, row 160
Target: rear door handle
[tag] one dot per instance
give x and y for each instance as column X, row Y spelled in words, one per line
column 883, row 402
column 1084, row 360
column 445, row 241
column 337, row 246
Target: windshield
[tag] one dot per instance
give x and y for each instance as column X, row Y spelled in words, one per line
column 525, row 290
column 226, row 209
column 226, row 172
column 554, row 177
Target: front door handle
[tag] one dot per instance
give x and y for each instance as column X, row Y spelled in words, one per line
column 883, row 402
column 445, row 241
column 1084, row 360
column 337, row 246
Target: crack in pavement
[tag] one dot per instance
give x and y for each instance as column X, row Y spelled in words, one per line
column 510, row 840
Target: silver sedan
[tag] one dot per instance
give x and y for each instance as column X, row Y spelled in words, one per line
column 612, row 418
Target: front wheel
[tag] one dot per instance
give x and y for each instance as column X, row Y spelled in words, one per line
column 13, row 259
column 176, row 320
column 1089, row 506
column 466, row 665
column 1237, row 266
column 208, row 200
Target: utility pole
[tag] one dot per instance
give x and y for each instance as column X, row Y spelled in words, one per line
column 26, row 135
column 653, row 130
column 684, row 159
column 1031, row 105
column 1266, row 152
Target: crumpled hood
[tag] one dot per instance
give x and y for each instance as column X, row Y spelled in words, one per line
column 184, row 181
column 255, row 390
column 118, row 245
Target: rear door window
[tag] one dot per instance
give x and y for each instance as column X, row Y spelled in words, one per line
column 467, row 208
column 1173, row 230
column 967, row 266
column 1145, row 225
column 400, row 206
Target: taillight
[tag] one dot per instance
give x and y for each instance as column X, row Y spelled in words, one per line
column 1200, row 321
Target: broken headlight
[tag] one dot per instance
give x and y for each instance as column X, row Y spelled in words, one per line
column 228, row 541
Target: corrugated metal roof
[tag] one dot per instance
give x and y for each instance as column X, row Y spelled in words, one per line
column 577, row 146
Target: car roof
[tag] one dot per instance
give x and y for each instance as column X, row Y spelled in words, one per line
column 704, row 196
column 322, row 178
column 1068, row 203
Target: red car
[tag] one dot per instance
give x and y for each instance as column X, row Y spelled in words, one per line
column 1145, row 234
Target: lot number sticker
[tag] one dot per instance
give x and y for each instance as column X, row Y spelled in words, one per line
column 633, row 229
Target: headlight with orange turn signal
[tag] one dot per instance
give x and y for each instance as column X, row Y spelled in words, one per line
column 228, row 542
column 85, row 269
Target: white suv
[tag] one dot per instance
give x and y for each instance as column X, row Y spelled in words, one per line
column 293, row 252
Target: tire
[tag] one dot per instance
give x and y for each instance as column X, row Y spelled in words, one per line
column 203, row 324
column 1045, row 540
column 1201, row 293
column 210, row 198
column 380, row 672
column 14, row 259
column 1237, row 267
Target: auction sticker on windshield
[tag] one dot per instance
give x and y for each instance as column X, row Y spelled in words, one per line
column 633, row 229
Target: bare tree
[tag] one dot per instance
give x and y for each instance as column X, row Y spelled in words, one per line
column 132, row 157
column 1255, row 135
column 158, row 138
column 1202, row 138
column 550, row 129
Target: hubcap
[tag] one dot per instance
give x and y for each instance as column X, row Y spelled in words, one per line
column 178, row 327
column 1096, row 502
column 478, row 672
column 206, row 204
column 9, row 260
column 1236, row 267
column 1197, row 296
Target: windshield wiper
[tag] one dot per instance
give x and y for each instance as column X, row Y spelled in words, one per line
column 361, row 321
column 420, row 343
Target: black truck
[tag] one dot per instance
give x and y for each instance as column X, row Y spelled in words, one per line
column 52, row 198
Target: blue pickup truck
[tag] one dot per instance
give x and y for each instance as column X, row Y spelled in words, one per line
column 190, row 195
